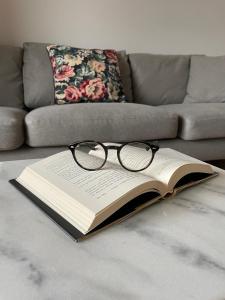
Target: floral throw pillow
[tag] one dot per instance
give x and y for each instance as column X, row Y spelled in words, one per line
column 85, row 75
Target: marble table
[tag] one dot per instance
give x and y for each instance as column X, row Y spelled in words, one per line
column 174, row 250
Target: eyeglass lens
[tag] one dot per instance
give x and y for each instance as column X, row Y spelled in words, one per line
column 90, row 162
column 135, row 160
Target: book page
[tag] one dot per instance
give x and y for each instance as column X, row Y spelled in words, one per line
column 94, row 190
column 168, row 165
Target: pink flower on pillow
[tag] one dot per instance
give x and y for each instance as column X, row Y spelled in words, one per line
column 93, row 89
column 64, row 73
column 72, row 93
column 112, row 56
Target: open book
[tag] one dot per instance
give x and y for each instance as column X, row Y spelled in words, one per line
column 83, row 202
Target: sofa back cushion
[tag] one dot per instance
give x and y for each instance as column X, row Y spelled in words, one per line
column 11, row 82
column 159, row 79
column 207, row 80
column 38, row 75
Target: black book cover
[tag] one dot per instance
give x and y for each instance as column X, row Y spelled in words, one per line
column 123, row 213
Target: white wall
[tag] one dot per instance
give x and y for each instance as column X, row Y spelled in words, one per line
column 5, row 25
column 157, row 26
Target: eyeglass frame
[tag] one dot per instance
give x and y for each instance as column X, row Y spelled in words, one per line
column 154, row 149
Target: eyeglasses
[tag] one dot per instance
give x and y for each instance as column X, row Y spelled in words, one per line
column 132, row 156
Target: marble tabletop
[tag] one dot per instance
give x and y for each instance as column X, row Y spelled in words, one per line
column 174, row 250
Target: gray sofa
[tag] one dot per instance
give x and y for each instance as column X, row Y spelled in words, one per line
column 31, row 125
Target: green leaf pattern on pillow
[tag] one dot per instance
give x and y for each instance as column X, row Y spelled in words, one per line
column 85, row 75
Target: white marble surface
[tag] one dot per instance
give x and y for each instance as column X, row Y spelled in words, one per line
column 174, row 250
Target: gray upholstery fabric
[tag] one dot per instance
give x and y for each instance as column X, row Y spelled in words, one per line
column 159, row 79
column 212, row 149
column 199, row 121
column 11, row 128
column 38, row 76
column 125, row 74
column 207, row 80
column 61, row 125
column 26, row 152
column 11, row 83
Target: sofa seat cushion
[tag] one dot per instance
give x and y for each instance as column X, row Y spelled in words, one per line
column 11, row 128
column 61, row 125
column 199, row 121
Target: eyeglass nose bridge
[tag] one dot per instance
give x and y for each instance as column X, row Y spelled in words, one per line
column 112, row 147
